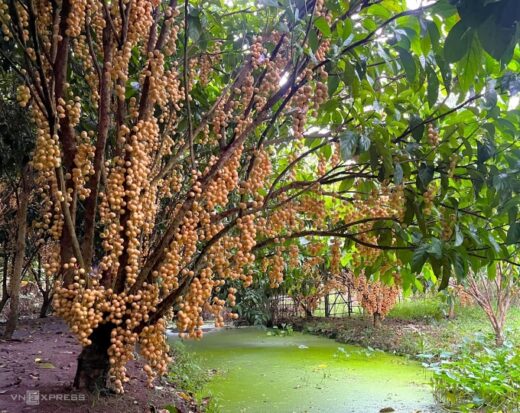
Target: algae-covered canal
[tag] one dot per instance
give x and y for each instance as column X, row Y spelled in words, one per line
column 259, row 372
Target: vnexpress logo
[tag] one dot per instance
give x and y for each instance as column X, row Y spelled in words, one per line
column 32, row 397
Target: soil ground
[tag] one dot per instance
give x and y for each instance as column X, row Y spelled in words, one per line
column 42, row 358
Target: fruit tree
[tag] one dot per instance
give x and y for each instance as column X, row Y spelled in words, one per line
column 177, row 141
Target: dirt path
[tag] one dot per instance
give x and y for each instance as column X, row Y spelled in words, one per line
column 37, row 370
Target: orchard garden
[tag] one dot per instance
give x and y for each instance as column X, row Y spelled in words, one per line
column 259, row 206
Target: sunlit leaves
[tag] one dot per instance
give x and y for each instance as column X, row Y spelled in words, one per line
column 323, row 26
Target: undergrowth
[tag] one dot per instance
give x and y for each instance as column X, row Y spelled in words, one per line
column 478, row 376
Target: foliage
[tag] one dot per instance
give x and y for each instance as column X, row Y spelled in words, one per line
column 479, row 376
column 185, row 372
column 284, row 330
column 16, row 129
column 254, row 302
column 311, row 287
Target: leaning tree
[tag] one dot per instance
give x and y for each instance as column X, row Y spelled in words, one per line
column 175, row 142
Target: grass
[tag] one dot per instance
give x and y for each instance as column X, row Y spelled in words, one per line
column 187, row 374
column 468, row 320
column 430, row 308
column 414, row 327
column 185, row 371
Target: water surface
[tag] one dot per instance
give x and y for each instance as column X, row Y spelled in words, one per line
column 259, row 372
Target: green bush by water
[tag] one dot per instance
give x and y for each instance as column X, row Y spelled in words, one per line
column 479, row 376
column 185, row 370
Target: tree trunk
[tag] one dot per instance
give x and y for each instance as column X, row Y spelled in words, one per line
column 499, row 338
column 46, row 305
column 327, row 309
column 16, row 276
column 5, row 294
column 93, row 361
column 307, row 310
column 451, row 308
column 377, row 320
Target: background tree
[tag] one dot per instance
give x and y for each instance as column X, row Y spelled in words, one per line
column 169, row 155
column 16, row 141
column 494, row 294
column 376, row 298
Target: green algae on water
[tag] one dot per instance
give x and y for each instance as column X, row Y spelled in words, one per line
column 257, row 373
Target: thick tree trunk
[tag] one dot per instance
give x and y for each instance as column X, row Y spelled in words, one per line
column 377, row 320
column 93, row 361
column 16, row 276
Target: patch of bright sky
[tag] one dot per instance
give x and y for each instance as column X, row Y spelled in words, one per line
column 415, row 4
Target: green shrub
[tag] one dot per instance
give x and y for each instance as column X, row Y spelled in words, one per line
column 479, row 377
column 185, row 372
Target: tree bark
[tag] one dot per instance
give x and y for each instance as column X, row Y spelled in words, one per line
column 499, row 337
column 16, row 277
column 377, row 320
column 451, row 309
column 5, row 293
column 46, row 305
column 93, row 361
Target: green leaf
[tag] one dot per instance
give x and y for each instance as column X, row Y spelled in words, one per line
column 435, row 248
column 419, row 257
column 445, row 280
column 408, row 63
column 425, row 175
column 323, row 26
column 313, row 41
column 346, row 184
column 495, row 38
column 485, row 151
column 513, row 234
column 417, row 127
column 332, row 84
column 457, row 42
column 433, row 87
column 379, row 11
column 459, row 265
column 348, row 145
column 445, row 72
column 493, row 243
column 194, row 27
column 492, row 271
column 364, row 143
column 433, row 33
column 469, row 65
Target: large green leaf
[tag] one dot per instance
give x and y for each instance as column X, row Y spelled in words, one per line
column 457, row 42
column 323, row 26
column 433, row 87
column 408, row 63
column 469, row 64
